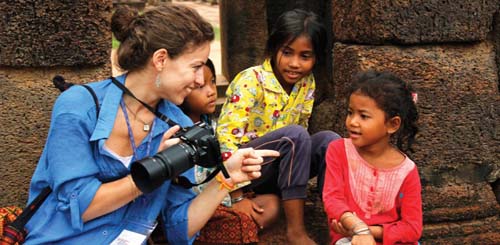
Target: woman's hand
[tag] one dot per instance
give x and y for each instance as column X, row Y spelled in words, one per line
column 167, row 141
column 245, row 163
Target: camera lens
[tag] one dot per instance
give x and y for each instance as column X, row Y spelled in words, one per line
column 149, row 173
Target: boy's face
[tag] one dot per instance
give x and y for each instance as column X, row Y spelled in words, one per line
column 202, row 99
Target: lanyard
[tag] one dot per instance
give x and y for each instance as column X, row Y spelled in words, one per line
column 154, row 111
column 131, row 134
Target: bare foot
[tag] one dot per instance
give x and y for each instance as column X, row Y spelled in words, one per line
column 299, row 239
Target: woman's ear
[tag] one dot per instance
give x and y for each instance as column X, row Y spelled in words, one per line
column 159, row 59
column 393, row 124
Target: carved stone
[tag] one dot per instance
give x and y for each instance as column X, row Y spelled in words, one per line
column 54, row 33
column 243, row 35
column 411, row 22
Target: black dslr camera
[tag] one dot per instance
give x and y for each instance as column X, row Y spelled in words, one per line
column 199, row 146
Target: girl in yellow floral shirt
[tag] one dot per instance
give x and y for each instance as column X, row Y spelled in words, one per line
column 268, row 107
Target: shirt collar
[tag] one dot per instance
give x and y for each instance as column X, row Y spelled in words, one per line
column 272, row 83
column 111, row 102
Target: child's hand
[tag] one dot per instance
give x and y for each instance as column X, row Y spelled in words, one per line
column 245, row 164
column 250, row 208
column 339, row 228
column 166, row 139
column 366, row 239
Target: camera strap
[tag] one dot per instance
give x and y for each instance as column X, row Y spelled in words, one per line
column 151, row 109
column 179, row 180
column 185, row 183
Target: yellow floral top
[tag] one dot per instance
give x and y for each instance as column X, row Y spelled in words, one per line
column 257, row 104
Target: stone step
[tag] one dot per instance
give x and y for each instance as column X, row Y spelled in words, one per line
column 222, row 85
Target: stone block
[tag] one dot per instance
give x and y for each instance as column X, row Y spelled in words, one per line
column 411, row 22
column 243, row 35
column 26, row 99
column 478, row 231
column 55, row 33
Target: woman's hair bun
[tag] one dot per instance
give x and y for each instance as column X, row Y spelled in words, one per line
column 121, row 21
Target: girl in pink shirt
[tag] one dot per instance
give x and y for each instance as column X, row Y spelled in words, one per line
column 372, row 191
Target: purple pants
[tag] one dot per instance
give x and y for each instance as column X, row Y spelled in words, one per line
column 301, row 157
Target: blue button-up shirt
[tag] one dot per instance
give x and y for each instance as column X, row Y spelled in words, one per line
column 74, row 164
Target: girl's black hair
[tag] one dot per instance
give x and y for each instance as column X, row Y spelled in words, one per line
column 394, row 97
column 292, row 24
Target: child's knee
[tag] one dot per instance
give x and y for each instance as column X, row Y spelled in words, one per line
column 297, row 132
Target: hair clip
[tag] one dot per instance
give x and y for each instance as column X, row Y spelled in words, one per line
column 414, row 97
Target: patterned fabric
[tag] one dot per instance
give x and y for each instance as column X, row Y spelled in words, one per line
column 7, row 235
column 374, row 189
column 228, row 226
column 257, row 104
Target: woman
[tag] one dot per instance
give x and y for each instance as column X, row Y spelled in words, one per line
column 86, row 160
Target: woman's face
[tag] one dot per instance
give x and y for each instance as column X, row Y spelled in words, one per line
column 294, row 61
column 181, row 75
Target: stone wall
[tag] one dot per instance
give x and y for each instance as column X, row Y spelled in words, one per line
column 243, row 26
column 39, row 39
column 52, row 33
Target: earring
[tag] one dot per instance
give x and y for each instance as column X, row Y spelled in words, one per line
column 157, row 81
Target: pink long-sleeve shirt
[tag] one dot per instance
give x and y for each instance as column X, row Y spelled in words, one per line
column 390, row 198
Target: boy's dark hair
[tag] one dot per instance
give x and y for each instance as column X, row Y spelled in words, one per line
column 184, row 106
column 292, row 24
column 394, row 97
column 211, row 66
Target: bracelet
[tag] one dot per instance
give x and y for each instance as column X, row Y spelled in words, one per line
column 362, row 231
column 224, row 183
column 346, row 216
column 237, row 199
column 356, row 224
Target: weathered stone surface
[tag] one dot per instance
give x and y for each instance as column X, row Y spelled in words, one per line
column 410, row 22
column 456, row 202
column 54, row 33
column 457, row 148
column 464, row 232
column 243, row 34
column 26, row 99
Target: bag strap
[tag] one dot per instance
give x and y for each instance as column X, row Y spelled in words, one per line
column 19, row 223
column 96, row 101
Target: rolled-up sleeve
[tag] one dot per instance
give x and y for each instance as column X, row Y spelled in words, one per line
column 176, row 213
column 72, row 167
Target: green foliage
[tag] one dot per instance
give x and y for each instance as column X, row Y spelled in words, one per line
column 115, row 43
